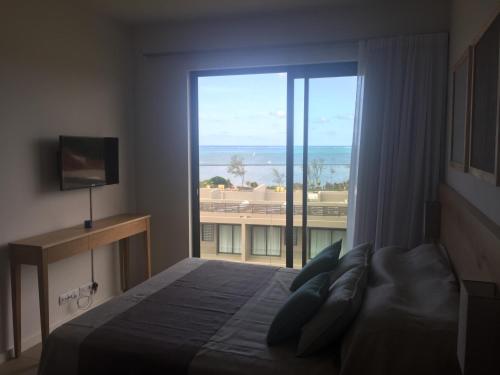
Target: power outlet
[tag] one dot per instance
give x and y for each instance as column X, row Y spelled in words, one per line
column 86, row 290
column 68, row 296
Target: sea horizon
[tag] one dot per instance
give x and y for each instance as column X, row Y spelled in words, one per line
column 260, row 161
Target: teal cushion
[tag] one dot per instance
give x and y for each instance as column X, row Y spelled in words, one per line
column 336, row 314
column 325, row 261
column 358, row 256
column 298, row 309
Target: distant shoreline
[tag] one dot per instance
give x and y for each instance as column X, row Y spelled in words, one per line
column 263, row 162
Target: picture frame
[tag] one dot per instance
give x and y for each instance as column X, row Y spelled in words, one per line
column 484, row 139
column 461, row 112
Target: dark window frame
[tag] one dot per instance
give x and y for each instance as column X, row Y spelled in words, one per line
column 295, row 236
column 232, row 239
column 331, row 230
column 267, row 233
column 307, row 71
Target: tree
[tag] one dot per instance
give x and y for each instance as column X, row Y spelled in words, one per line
column 278, row 177
column 216, row 181
column 314, row 172
column 332, row 172
column 237, row 168
column 252, row 184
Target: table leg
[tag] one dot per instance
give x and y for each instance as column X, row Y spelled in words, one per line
column 124, row 263
column 43, row 293
column 147, row 248
column 15, row 283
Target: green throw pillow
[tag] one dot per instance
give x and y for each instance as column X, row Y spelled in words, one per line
column 325, row 261
column 358, row 256
column 298, row 309
column 336, row 314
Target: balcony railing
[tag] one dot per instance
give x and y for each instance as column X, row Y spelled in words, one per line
column 270, row 209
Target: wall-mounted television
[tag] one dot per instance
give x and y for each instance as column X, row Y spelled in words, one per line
column 86, row 162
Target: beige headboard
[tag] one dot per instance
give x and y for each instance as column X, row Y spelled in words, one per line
column 471, row 239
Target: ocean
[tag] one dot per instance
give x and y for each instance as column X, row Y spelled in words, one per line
column 260, row 161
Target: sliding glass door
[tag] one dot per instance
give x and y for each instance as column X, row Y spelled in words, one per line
column 331, row 107
column 270, row 161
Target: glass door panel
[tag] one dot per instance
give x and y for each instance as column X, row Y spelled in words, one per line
column 298, row 169
column 331, row 108
column 242, row 135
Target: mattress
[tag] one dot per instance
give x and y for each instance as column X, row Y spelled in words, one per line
column 197, row 317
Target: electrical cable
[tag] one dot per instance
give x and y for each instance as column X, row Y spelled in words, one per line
column 92, row 266
column 93, row 289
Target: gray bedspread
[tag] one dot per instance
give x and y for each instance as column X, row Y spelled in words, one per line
column 407, row 324
column 235, row 343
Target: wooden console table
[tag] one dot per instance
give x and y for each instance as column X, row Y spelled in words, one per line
column 51, row 247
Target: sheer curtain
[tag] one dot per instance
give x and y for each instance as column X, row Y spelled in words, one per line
column 237, row 239
column 225, row 238
column 259, row 240
column 398, row 138
column 273, row 241
column 320, row 238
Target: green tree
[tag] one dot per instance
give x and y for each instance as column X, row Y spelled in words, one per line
column 314, row 171
column 237, row 168
column 216, row 181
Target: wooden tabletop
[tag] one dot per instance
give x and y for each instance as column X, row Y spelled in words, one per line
column 51, row 247
column 57, row 237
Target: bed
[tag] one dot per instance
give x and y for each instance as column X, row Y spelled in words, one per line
column 211, row 317
column 197, row 317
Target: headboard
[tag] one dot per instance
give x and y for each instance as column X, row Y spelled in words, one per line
column 471, row 239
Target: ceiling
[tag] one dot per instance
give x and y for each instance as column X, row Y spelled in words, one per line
column 140, row 11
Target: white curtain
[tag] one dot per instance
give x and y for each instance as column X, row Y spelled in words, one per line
column 259, row 240
column 273, row 241
column 225, row 238
column 320, row 238
column 398, row 140
column 237, row 239
column 353, row 175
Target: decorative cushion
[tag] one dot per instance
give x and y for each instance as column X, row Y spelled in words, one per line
column 298, row 309
column 325, row 261
column 358, row 256
column 336, row 314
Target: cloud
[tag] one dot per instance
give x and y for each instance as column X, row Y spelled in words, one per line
column 281, row 74
column 344, row 117
column 322, row 120
column 279, row 113
column 327, row 120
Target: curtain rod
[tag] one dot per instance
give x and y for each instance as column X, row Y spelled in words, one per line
column 274, row 46
column 245, row 49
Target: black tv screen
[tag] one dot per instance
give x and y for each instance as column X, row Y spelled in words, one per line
column 87, row 162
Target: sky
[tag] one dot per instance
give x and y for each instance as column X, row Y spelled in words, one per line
column 250, row 110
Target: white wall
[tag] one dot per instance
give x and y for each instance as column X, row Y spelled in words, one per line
column 62, row 71
column 162, row 87
column 468, row 18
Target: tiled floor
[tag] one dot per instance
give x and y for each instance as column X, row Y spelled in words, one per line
column 27, row 364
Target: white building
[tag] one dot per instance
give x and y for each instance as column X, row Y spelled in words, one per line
column 249, row 225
